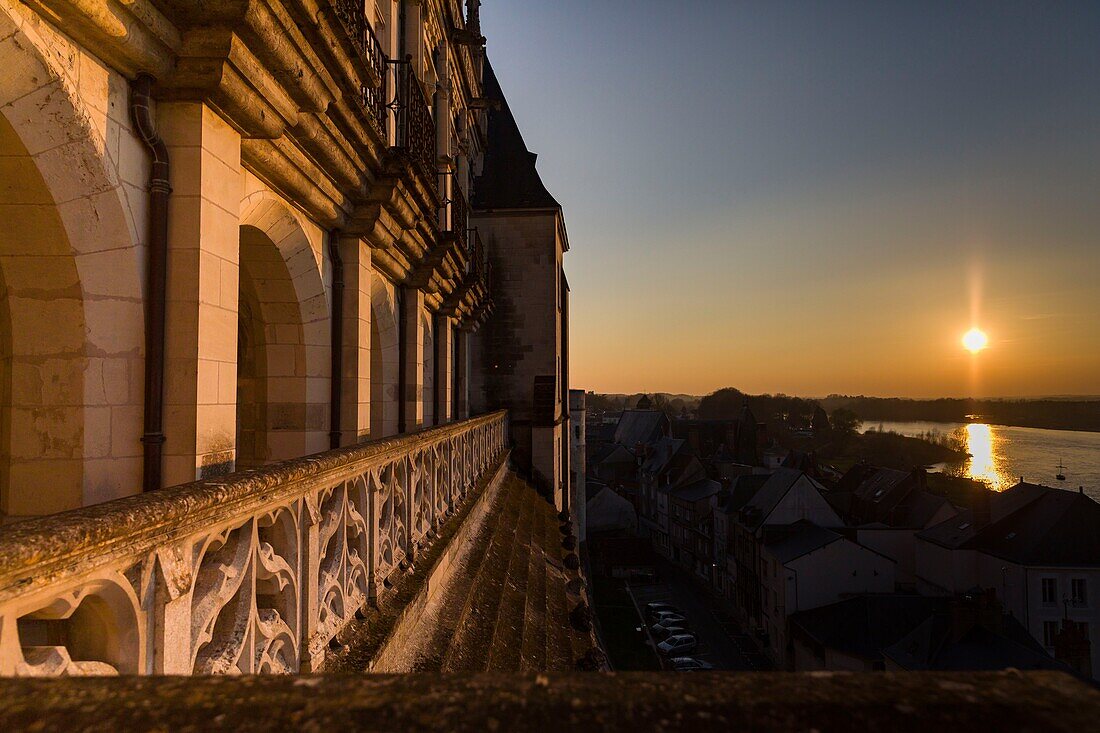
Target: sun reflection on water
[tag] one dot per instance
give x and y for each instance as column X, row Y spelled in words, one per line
column 980, row 446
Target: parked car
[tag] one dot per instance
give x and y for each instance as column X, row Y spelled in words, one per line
column 661, row 616
column 677, row 644
column 660, row 633
column 672, row 619
column 652, row 609
column 690, row 664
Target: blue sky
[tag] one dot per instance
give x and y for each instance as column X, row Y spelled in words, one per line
column 817, row 197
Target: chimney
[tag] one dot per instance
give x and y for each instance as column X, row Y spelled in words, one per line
column 977, row 608
column 982, row 508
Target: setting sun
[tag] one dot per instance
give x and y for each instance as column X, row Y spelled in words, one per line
column 975, row 340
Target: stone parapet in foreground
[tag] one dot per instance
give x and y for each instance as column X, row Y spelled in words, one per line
column 914, row 701
column 248, row 573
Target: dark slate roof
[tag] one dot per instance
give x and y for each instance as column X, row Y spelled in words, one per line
column 771, row 493
column 639, row 426
column 933, row 646
column 863, row 626
column 742, row 490
column 509, row 179
column 807, row 538
column 607, row 511
column 919, row 509
column 800, row 460
column 661, row 454
column 869, row 495
column 618, row 454
column 697, row 490
column 1030, row 525
column 591, row 488
column 884, row 487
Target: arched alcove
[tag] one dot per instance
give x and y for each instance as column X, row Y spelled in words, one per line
column 283, row 337
column 428, row 380
column 384, row 359
column 41, row 342
column 71, row 323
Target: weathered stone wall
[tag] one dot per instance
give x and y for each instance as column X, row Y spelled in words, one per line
column 1041, row 702
column 521, row 341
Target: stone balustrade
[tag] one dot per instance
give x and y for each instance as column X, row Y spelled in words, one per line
column 254, row 572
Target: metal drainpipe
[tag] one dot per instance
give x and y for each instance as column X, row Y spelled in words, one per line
column 402, row 20
column 336, row 389
column 141, row 113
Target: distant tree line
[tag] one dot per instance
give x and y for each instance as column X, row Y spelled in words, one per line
column 727, row 403
column 672, row 405
column 1051, row 414
column 847, row 412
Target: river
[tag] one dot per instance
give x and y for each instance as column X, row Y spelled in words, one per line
column 1001, row 454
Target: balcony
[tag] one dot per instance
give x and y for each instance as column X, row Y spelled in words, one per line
column 413, row 130
column 455, row 214
column 369, row 51
column 255, row 572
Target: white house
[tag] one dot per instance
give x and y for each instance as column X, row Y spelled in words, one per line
column 812, row 566
column 1038, row 548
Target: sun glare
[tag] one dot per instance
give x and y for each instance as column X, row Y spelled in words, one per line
column 975, row 340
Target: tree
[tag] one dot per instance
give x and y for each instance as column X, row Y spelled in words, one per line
column 845, row 422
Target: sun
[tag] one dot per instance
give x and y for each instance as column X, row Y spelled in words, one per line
column 975, row 340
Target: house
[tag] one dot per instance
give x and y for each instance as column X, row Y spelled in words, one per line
column 1038, row 548
column 972, row 633
column 888, row 508
column 850, row 635
column 788, row 496
column 898, row 632
column 804, row 566
column 667, row 464
column 692, row 525
column 741, row 489
column 608, row 512
column 640, row 427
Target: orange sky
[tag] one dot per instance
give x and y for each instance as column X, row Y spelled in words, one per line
column 819, row 198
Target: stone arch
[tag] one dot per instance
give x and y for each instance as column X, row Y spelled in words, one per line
column 428, row 378
column 283, row 337
column 384, row 358
column 70, row 265
column 94, row 630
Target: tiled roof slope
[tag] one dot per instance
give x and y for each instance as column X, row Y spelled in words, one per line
column 509, row 179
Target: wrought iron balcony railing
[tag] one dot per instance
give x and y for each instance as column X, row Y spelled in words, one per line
column 455, row 213
column 354, row 20
column 478, row 262
column 413, row 127
column 248, row 573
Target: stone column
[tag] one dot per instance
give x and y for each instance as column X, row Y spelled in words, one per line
column 443, row 370
column 462, row 373
column 355, row 369
column 412, row 359
column 203, row 266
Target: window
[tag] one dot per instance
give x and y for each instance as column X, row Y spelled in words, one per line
column 1079, row 592
column 1050, row 591
column 1050, row 630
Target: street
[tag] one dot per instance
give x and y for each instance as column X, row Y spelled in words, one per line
column 720, row 640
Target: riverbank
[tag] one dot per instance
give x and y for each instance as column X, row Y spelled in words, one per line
column 1050, row 414
column 999, row 456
